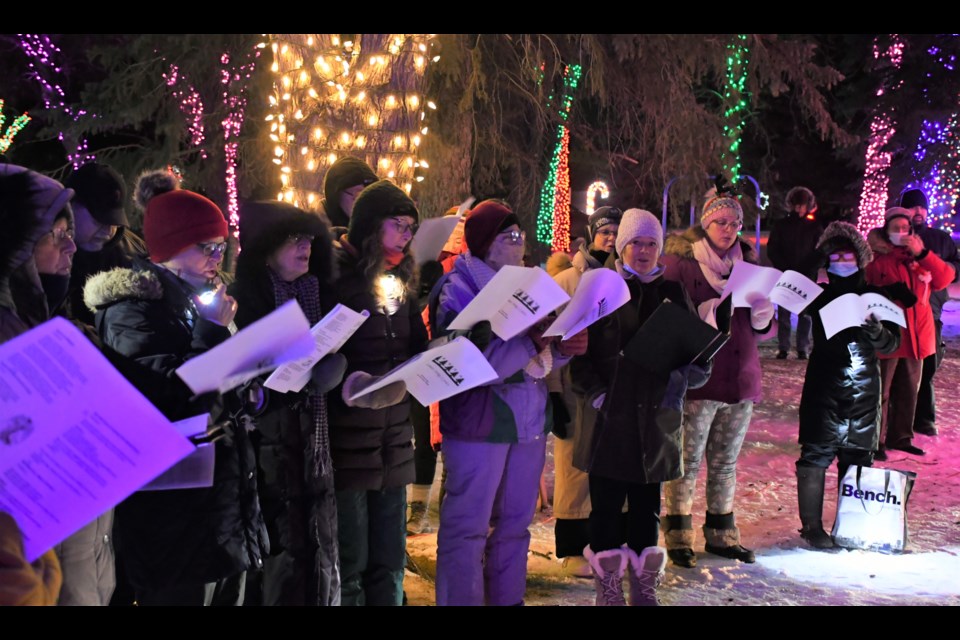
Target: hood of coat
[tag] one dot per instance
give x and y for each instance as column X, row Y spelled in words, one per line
column 109, row 287
column 558, row 263
column 681, row 244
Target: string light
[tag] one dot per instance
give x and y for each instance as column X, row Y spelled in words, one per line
column 190, row 104
column 597, row 187
column 736, row 106
column 234, row 78
column 6, row 137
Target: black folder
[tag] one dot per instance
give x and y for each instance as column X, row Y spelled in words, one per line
column 673, row 337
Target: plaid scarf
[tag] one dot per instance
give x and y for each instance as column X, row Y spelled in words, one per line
column 306, row 291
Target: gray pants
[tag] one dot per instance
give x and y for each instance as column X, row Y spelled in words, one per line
column 717, row 429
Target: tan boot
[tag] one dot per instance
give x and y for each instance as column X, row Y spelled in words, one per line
column 608, row 569
column 646, row 574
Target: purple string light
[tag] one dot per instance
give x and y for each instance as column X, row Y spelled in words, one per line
column 235, row 87
column 191, row 105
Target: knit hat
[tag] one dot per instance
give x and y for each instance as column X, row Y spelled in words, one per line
column 637, row 223
column 801, row 195
column 101, row 191
column 840, row 235
column 376, row 203
column 177, row 219
column 913, row 198
column 603, row 216
column 343, row 174
column 894, row 212
column 486, row 220
column 713, row 204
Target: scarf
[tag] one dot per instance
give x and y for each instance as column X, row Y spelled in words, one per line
column 306, row 291
column 716, row 269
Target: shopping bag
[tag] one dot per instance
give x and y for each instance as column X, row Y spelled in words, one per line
column 872, row 509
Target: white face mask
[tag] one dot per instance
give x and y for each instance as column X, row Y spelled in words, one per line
column 897, row 238
column 843, row 269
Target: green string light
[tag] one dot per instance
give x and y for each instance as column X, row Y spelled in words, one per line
column 736, row 106
column 6, row 138
column 549, row 197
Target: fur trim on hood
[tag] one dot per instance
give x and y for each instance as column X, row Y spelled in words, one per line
column 879, row 242
column 681, row 244
column 558, row 263
column 109, row 287
column 843, row 233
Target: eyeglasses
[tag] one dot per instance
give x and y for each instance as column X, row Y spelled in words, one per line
column 512, row 237
column 734, row 225
column 60, row 236
column 402, row 227
column 297, row 238
column 209, row 248
column 848, row 256
column 605, row 232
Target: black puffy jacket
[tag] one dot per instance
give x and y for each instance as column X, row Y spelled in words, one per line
column 840, row 403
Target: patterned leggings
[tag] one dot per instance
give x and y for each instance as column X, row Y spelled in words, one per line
column 717, row 428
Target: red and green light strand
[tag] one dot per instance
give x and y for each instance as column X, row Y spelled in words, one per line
column 553, row 218
column 735, row 106
column 6, row 137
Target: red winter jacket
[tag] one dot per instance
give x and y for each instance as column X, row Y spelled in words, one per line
column 895, row 264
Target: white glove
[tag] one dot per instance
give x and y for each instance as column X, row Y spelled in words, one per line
column 598, row 401
column 761, row 313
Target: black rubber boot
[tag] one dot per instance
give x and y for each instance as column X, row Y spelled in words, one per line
column 810, row 481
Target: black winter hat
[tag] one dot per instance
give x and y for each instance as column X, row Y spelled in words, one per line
column 266, row 225
column 376, row 203
column 913, row 198
column 102, row 191
column 344, row 173
column 602, row 216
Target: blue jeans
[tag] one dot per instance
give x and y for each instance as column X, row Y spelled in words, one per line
column 484, row 532
column 373, row 540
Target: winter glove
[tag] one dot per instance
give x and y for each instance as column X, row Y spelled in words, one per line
column 561, row 415
column 575, row 345
column 480, row 334
column 872, row 328
column 328, row 373
column 900, row 292
column 761, row 313
column 388, row 396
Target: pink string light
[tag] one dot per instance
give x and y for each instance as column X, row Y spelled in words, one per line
column 191, row 105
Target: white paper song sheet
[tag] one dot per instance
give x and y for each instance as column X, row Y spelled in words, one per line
column 75, row 437
column 275, row 339
column 196, row 470
column 599, row 293
column 513, row 301
column 789, row 289
column 431, row 237
column 328, row 336
column 851, row 310
column 439, row 373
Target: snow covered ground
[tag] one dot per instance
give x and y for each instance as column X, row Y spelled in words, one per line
column 787, row 571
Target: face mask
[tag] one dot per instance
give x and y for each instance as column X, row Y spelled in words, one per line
column 897, row 238
column 843, row 269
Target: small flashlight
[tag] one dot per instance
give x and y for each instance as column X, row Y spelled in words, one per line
column 207, row 297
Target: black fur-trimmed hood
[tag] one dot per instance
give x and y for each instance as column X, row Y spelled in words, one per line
column 681, row 244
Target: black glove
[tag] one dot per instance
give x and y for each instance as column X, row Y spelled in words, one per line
column 900, row 292
column 561, row 415
column 328, row 373
column 872, row 328
column 480, row 334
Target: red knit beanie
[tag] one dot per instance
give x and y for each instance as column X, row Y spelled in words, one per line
column 486, row 220
column 177, row 219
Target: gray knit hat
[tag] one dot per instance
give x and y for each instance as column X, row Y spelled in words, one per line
column 637, row 223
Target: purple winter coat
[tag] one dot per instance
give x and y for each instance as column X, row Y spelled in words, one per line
column 736, row 367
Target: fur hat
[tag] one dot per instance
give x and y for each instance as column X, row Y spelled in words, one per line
column 486, row 220
column 913, row 198
column 839, row 235
column 152, row 183
column 376, row 203
column 637, row 223
column 714, row 203
column 346, row 172
column 265, row 227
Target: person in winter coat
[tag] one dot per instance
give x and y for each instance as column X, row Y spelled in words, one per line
column 342, row 184
column 288, row 254
column 792, row 246
column 901, row 257
column 191, row 546
column 716, row 416
column 571, row 492
column 840, row 403
column 371, row 436
column 103, row 236
column 635, row 443
column 494, row 436
column 941, row 243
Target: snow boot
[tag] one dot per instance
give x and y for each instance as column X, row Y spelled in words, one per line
column 723, row 538
column 646, row 574
column 678, row 536
column 810, row 481
column 608, row 569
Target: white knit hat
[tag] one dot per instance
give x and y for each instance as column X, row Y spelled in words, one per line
column 637, row 223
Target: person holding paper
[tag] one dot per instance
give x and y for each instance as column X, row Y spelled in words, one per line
column 494, row 435
column 192, row 546
column 633, row 446
column 571, row 493
column 792, row 244
column 840, row 403
column 288, row 254
column 717, row 416
column 371, row 437
column 902, row 260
